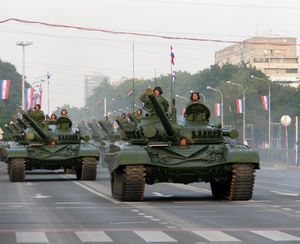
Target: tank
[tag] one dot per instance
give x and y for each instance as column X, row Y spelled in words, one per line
column 161, row 150
column 50, row 147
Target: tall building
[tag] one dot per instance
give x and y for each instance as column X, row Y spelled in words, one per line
column 274, row 56
column 90, row 83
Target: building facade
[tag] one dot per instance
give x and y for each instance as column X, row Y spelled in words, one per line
column 274, row 56
column 90, row 83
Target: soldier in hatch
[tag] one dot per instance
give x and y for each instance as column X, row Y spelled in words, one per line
column 157, row 92
column 37, row 114
column 63, row 122
column 195, row 97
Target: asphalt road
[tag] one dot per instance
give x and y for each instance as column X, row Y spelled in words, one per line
column 55, row 208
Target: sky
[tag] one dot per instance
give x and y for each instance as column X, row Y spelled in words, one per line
column 69, row 54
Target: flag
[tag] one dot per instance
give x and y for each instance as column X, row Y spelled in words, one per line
column 29, row 98
column 4, row 88
column 40, row 95
column 239, row 106
column 217, row 109
column 172, row 56
column 130, row 93
column 265, row 102
column 173, row 77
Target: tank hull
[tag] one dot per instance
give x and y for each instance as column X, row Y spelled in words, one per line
column 219, row 165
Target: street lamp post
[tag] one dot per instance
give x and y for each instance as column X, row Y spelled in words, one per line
column 269, row 107
column 182, row 97
column 222, row 98
column 244, row 107
column 23, row 45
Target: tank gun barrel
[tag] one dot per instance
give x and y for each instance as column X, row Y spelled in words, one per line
column 35, row 126
column 10, row 130
column 22, row 123
column 162, row 116
column 103, row 126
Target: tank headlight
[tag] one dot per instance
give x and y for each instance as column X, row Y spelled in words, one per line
column 52, row 143
column 29, row 135
column 233, row 134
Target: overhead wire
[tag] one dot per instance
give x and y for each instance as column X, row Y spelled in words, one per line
column 140, row 34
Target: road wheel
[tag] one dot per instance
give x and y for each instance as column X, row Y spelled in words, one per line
column 17, row 170
column 78, row 173
column 220, row 190
column 128, row 184
column 89, row 169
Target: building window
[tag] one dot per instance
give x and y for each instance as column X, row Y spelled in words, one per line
column 292, row 71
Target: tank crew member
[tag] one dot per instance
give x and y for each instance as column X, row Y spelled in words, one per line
column 63, row 122
column 82, row 127
column 53, row 118
column 136, row 117
column 37, row 114
column 195, row 109
column 183, row 142
column 157, row 92
column 195, row 97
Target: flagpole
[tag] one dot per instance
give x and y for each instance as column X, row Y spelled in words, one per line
column 132, row 77
column 171, row 63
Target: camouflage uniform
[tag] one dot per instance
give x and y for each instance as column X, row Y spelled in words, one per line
column 38, row 116
column 148, row 105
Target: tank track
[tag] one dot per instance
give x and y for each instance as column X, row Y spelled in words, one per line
column 242, row 182
column 89, row 169
column 128, row 184
column 239, row 187
column 17, row 170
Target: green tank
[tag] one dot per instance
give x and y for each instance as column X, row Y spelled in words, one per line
column 50, row 147
column 156, row 152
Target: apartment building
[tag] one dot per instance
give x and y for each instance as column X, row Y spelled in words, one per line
column 90, row 83
column 274, row 56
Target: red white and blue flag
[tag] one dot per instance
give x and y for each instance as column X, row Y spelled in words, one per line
column 217, row 109
column 130, row 93
column 40, row 95
column 29, row 98
column 239, row 106
column 265, row 102
column 172, row 56
column 4, row 88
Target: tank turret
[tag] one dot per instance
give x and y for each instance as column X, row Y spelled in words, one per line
column 51, row 146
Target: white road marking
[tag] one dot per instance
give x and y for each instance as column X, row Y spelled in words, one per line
column 285, row 193
column 190, row 188
column 31, row 237
column 160, row 194
column 93, row 236
column 154, row 236
column 96, row 193
column 16, row 203
column 73, row 203
column 276, row 235
column 148, row 216
column 212, row 235
column 40, row 196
